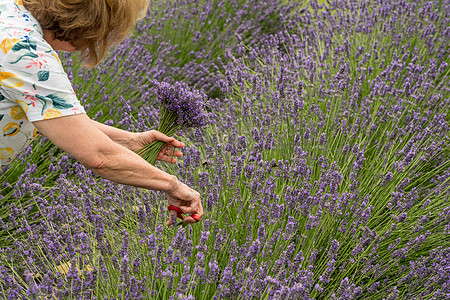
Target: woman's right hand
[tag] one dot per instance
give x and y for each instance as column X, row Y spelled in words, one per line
column 187, row 199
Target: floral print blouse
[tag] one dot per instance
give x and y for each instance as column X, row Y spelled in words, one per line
column 33, row 83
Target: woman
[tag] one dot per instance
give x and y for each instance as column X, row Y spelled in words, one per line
column 37, row 97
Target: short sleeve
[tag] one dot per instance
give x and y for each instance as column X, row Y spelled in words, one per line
column 32, row 76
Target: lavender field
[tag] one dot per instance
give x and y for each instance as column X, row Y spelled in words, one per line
column 324, row 165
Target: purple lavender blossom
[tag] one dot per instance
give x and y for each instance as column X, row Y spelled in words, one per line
column 186, row 103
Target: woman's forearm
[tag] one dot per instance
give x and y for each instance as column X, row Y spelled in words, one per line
column 119, row 136
column 95, row 149
column 121, row 165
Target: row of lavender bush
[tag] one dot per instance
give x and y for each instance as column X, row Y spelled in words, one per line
column 324, row 176
column 118, row 87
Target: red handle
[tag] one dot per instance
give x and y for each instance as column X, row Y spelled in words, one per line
column 196, row 217
column 177, row 209
column 179, row 213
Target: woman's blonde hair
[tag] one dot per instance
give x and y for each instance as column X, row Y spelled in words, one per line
column 91, row 26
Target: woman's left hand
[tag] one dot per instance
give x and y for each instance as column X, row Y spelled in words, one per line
column 167, row 153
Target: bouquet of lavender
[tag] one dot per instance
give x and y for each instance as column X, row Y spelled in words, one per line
column 180, row 107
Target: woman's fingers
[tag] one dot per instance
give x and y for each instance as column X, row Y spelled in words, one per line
column 188, row 210
column 195, row 214
column 166, row 158
column 166, row 154
column 171, row 152
column 169, row 140
column 195, row 207
column 190, row 220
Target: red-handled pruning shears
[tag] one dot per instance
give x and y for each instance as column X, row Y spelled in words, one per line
column 179, row 212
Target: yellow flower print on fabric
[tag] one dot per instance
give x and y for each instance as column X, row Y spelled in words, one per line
column 35, row 133
column 17, row 113
column 11, row 129
column 51, row 113
column 56, row 56
column 9, row 80
column 6, row 153
column 22, row 104
column 7, row 44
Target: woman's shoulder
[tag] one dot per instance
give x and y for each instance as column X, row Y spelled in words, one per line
column 21, row 36
column 16, row 23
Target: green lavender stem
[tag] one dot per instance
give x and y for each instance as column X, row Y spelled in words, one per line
column 167, row 125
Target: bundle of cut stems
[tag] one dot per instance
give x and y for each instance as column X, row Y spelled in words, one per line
column 180, row 107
